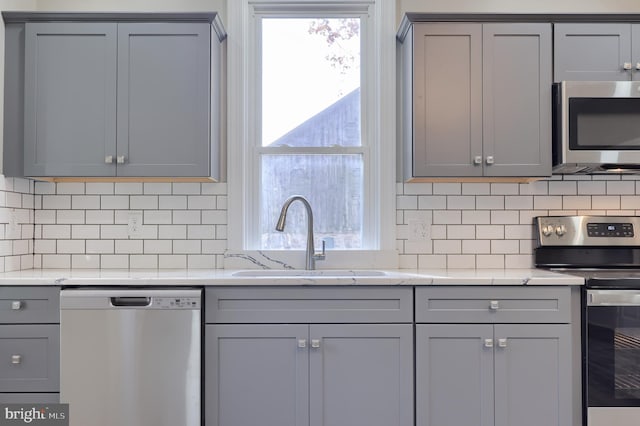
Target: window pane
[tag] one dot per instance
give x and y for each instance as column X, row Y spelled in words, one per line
column 311, row 82
column 333, row 185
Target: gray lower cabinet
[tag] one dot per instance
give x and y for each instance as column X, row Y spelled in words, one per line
column 115, row 98
column 307, row 374
column 29, row 344
column 476, row 101
column 484, row 371
column 596, row 51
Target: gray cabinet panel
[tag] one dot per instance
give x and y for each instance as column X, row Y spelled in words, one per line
column 447, row 99
column 13, row 143
column 29, row 358
column 361, row 375
column 29, row 305
column 70, row 98
column 588, row 52
column 29, row 398
column 309, row 305
column 454, row 375
column 533, row 375
column 256, row 375
column 517, row 99
column 493, row 304
column 163, row 99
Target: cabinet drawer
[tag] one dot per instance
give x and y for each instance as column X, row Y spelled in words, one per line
column 493, row 304
column 29, row 358
column 309, row 305
column 29, row 398
column 29, row 305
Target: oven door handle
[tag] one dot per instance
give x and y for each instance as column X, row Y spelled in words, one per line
column 613, row 297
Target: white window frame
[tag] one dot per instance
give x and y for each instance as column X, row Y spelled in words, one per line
column 378, row 62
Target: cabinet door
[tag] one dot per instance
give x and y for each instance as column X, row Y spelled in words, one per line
column 517, row 99
column 70, row 99
column 30, row 358
column 447, row 99
column 454, row 375
column 163, row 99
column 256, row 375
column 533, row 375
column 361, row 375
column 592, row 52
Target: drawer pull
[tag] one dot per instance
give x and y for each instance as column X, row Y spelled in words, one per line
column 16, row 359
column 502, row 343
column 488, row 343
column 315, row 343
column 494, row 305
column 16, row 305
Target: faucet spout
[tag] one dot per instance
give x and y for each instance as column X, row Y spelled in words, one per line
column 311, row 255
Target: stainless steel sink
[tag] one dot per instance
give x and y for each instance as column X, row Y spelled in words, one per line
column 308, row 273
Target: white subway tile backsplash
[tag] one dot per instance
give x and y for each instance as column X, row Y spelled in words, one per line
column 115, row 232
column 186, row 217
column 56, row 261
column 518, row 261
column 157, row 188
column 505, row 189
column 70, row 216
column 490, row 261
column 158, row 246
column 11, row 199
column 213, row 217
column 447, row 217
column 85, row 232
column 473, row 188
column 575, row 202
column 187, row 246
column 476, row 246
column 505, row 217
column 432, row 261
column 621, row 188
column 606, row 202
column 214, row 246
column 447, row 188
column 592, row 188
column 518, row 202
column 85, row 202
column 476, row 217
column 201, row 261
column 143, row 261
column 210, row 188
column 203, row 232
column 628, row 202
column 417, row 188
column 114, row 261
column 547, row 202
column 490, row 232
column 186, row 188
column 432, row 202
column 70, row 188
column 56, row 231
column 128, row 188
column 490, row 202
column 406, row 202
column 157, row 217
column 447, row 246
column 201, row 202
column 85, row 261
column 45, row 216
column 172, row 202
column 129, row 246
column 100, row 246
column 114, row 202
column 505, row 247
column 70, row 246
column 99, row 217
column 461, row 232
column 55, row 202
column 562, row 188
column 99, row 188
column 461, row 202
column 418, row 247
column 172, row 232
column 172, row 261
column 463, row 261
column 45, row 246
column 143, row 202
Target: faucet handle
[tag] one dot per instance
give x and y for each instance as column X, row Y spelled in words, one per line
column 320, row 256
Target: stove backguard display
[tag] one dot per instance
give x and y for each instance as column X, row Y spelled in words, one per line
column 610, row 230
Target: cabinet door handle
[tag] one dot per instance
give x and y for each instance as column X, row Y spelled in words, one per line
column 16, row 359
column 502, row 343
column 627, row 66
column 302, row 343
column 477, row 160
column 315, row 343
column 638, row 65
column 121, row 159
column 494, row 305
column 490, row 160
column 16, row 305
column 488, row 343
column 108, row 159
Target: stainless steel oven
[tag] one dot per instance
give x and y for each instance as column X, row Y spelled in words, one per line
column 606, row 252
column 597, row 127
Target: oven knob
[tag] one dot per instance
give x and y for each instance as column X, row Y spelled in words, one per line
column 547, row 230
column 561, row 230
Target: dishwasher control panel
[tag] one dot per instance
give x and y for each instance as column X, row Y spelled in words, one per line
column 175, row 302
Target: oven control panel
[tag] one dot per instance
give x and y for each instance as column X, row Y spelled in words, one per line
column 610, row 230
column 587, row 230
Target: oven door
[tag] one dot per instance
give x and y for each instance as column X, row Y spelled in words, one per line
column 612, row 357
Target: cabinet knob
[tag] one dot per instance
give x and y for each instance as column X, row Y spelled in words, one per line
column 502, row 343
column 627, row 66
column 494, row 305
column 488, row 343
column 490, row 160
column 638, row 65
column 16, row 359
column 120, row 159
column 477, row 160
column 302, row 343
column 315, row 343
column 108, row 159
column 16, row 305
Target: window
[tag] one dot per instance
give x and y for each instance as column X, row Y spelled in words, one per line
column 308, row 108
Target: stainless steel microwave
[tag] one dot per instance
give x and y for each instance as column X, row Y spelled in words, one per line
column 596, row 127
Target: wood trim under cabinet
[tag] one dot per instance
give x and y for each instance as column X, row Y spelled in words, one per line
column 58, row 179
column 493, row 179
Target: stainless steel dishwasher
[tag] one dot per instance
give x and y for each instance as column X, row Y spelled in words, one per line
column 131, row 357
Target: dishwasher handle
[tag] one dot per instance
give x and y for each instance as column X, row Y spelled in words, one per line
column 130, row 301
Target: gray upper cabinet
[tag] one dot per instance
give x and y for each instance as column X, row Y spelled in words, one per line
column 596, row 51
column 477, row 100
column 116, row 95
column 163, row 99
column 70, row 98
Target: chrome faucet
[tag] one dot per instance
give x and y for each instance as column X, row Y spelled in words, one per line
column 311, row 251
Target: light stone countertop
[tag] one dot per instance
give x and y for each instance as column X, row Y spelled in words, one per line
column 226, row 277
